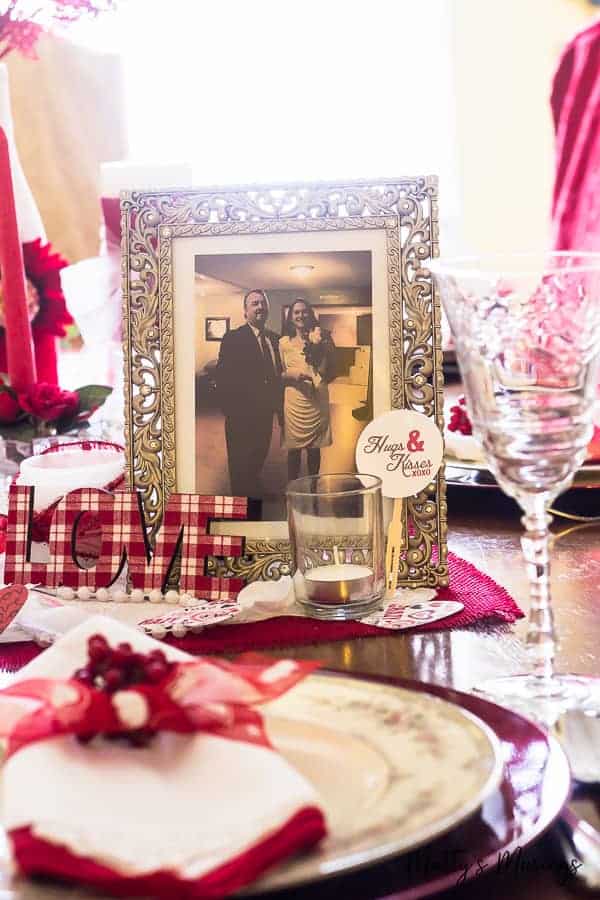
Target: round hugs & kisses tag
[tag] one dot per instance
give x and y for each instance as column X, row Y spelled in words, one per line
column 404, row 448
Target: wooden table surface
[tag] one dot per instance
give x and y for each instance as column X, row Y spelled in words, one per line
column 485, row 529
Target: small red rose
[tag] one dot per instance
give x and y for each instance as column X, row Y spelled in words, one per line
column 9, row 407
column 48, row 402
column 459, row 418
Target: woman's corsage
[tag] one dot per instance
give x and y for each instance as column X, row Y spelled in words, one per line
column 314, row 352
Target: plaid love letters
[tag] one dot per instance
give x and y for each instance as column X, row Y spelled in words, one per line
column 185, row 528
column 17, row 566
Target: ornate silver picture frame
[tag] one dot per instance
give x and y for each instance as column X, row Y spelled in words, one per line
column 166, row 233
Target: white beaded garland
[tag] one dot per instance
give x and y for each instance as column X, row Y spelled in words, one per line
column 158, row 631
column 179, row 630
column 137, row 595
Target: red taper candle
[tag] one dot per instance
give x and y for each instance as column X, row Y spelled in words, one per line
column 19, row 343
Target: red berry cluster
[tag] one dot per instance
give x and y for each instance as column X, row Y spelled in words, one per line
column 459, row 417
column 115, row 669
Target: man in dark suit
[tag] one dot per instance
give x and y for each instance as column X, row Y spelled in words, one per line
column 249, row 387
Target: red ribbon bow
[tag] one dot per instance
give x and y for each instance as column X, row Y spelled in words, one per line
column 216, row 697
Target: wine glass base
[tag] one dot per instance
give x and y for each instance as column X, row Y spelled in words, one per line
column 566, row 691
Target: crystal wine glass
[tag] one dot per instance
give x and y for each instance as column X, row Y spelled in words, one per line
column 527, row 335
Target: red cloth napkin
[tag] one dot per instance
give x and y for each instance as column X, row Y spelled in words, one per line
column 36, row 856
column 209, row 747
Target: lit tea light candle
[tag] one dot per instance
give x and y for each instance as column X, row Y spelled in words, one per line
column 338, row 583
column 342, row 581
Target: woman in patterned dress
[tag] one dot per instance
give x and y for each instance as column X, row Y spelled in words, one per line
column 307, row 360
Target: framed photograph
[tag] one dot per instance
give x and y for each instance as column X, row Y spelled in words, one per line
column 215, row 328
column 313, row 310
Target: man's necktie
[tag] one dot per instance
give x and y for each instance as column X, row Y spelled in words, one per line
column 267, row 358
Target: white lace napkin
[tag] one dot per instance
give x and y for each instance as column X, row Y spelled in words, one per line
column 184, row 803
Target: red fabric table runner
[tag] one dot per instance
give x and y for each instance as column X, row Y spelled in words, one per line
column 482, row 597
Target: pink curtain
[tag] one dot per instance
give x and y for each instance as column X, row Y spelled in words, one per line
column 575, row 102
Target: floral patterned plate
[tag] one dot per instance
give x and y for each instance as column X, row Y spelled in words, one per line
column 534, row 785
column 394, row 768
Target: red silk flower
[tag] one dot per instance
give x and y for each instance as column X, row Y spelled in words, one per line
column 42, row 267
column 48, row 402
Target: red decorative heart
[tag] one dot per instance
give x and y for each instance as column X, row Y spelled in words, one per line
column 12, row 599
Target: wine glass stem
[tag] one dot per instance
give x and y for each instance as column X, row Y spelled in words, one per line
column 540, row 640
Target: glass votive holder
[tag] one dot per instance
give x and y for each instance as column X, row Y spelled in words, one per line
column 336, row 532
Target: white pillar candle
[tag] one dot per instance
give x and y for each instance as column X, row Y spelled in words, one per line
column 55, row 474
